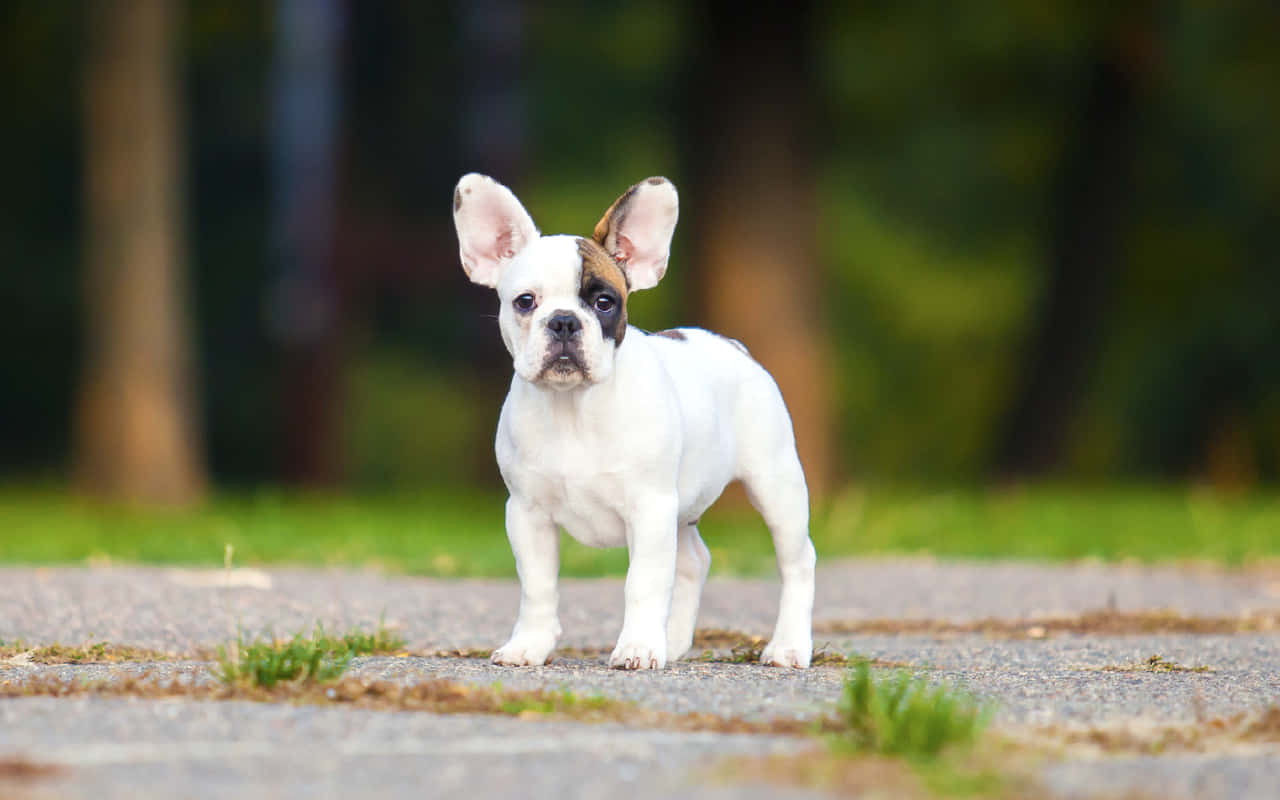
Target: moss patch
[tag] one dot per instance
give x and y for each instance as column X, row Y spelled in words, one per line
column 21, row 769
column 1094, row 623
column 987, row 775
column 473, row 652
column 1211, row 734
column 717, row 646
column 1155, row 663
column 88, row 653
column 436, row 696
column 745, row 648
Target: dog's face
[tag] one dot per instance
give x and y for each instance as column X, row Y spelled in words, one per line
column 563, row 311
column 563, row 299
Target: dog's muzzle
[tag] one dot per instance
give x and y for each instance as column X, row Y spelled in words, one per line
column 563, row 357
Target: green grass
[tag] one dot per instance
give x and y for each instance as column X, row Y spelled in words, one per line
column 461, row 533
column 895, row 735
column 901, row 715
column 359, row 643
column 551, row 702
column 316, row 658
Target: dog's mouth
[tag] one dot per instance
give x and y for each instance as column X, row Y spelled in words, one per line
column 563, row 361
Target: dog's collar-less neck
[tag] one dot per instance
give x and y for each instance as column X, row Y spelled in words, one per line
column 586, row 400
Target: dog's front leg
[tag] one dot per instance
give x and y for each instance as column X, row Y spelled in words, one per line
column 651, row 547
column 535, row 541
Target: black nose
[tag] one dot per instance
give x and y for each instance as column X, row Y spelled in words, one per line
column 563, row 325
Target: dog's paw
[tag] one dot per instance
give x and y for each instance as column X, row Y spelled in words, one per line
column 524, row 651
column 639, row 654
column 787, row 654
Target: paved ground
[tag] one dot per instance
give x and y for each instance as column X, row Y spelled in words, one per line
column 183, row 609
column 132, row 748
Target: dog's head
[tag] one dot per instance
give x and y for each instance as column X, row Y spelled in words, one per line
column 563, row 299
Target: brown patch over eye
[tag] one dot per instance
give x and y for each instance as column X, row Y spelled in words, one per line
column 601, row 276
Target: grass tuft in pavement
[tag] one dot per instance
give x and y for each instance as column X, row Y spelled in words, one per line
column 897, row 736
column 319, row 658
column 901, row 715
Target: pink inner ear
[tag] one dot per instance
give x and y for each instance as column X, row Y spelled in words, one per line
column 502, row 245
column 623, row 248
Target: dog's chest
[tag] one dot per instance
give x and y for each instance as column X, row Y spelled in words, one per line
column 570, row 480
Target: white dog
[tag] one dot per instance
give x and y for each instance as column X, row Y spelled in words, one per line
column 623, row 437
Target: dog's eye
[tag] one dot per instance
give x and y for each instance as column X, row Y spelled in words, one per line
column 605, row 303
column 524, row 302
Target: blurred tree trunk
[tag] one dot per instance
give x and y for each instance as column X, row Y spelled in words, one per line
column 136, row 431
column 309, row 304
column 1091, row 209
column 494, row 141
column 752, row 206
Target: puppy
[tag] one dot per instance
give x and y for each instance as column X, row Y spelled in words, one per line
column 623, row 437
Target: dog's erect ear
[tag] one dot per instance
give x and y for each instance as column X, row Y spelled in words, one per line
column 492, row 227
column 637, row 228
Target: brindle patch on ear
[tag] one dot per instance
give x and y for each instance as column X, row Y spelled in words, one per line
column 671, row 334
column 601, row 274
column 457, row 199
column 736, row 344
column 613, row 218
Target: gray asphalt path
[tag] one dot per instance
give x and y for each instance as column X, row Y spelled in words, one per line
column 153, row 749
column 185, row 609
column 216, row 749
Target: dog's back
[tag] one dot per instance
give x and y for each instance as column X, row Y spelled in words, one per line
column 712, row 374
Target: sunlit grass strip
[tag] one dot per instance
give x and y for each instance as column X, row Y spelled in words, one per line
column 459, row 533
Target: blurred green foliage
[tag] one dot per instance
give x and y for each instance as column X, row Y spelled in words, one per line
column 408, row 425
column 942, row 128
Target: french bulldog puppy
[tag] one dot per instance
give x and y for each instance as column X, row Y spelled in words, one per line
column 622, row 437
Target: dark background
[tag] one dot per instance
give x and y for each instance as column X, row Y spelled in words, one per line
column 991, row 241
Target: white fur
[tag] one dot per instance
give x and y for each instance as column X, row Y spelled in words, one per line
column 492, row 227
column 631, row 452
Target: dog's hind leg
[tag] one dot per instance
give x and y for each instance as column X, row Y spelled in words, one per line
column 779, row 493
column 693, row 560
